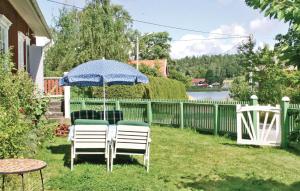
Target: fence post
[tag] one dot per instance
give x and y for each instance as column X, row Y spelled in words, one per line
column 83, row 104
column 67, row 97
column 285, row 102
column 149, row 112
column 181, row 115
column 254, row 101
column 216, row 124
column 118, row 105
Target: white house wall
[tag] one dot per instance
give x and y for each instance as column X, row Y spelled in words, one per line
column 36, row 58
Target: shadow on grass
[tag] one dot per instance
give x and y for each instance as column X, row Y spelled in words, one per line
column 126, row 160
column 91, row 159
column 294, row 148
column 240, row 146
column 215, row 182
column 62, row 149
column 290, row 149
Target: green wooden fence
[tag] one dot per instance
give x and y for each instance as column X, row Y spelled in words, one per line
column 293, row 118
column 217, row 117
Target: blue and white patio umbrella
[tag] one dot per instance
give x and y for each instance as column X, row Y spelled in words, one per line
column 102, row 73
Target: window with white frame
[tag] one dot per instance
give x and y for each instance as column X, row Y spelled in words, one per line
column 2, row 40
column 21, row 56
column 4, row 27
column 27, row 45
column 23, row 51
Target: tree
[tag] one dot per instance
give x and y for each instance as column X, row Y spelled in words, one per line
column 292, row 84
column 150, row 71
column 104, row 32
column 63, row 55
column 240, row 89
column 196, row 67
column 173, row 74
column 155, row 46
column 267, row 74
column 210, row 77
column 248, row 59
column 286, row 10
column 99, row 31
column 288, row 45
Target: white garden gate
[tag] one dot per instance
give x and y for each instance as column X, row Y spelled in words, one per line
column 258, row 125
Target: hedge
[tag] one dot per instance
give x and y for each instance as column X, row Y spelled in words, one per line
column 122, row 91
column 158, row 88
column 164, row 88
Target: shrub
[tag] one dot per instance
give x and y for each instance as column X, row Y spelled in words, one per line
column 21, row 127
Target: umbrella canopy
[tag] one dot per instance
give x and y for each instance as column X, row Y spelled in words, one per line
column 103, row 72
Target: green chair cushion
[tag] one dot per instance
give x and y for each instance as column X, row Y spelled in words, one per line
column 112, row 116
column 90, row 122
column 133, row 123
column 84, row 114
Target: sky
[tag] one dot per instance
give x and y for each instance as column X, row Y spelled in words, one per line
column 211, row 16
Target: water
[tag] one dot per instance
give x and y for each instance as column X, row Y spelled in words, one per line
column 211, row 95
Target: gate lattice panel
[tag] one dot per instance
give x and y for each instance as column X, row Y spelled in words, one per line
column 261, row 124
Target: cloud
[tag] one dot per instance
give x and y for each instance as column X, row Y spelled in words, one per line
column 263, row 25
column 261, row 28
column 234, row 30
column 189, row 46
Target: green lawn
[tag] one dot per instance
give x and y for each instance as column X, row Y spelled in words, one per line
column 180, row 160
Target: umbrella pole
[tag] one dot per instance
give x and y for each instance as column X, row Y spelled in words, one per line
column 104, row 100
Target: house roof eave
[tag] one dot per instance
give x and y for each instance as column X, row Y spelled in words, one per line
column 30, row 11
column 42, row 18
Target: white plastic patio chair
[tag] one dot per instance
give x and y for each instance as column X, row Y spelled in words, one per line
column 132, row 139
column 92, row 135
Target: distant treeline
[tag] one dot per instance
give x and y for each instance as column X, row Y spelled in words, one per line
column 215, row 68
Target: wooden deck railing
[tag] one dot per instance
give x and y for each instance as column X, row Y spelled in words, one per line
column 52, row 88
